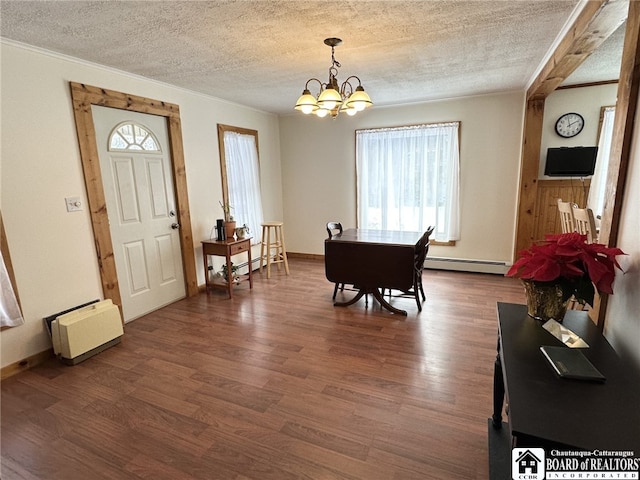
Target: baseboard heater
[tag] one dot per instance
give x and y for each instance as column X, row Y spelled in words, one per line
column 84, row 331
column 466, row 265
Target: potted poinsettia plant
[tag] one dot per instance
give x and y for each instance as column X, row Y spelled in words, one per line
column 569, row 265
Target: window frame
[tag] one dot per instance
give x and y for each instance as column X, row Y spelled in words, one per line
column 4, row 247
column 222, row 128
column 450, row 243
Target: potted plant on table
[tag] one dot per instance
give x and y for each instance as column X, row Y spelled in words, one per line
column 229, row 221
column 564, row 266
column 225, row 272
column 242, row 231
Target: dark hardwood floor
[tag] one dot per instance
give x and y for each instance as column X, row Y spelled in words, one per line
column 275, row 383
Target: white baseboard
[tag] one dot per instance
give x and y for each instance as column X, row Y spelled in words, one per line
column 466, row 265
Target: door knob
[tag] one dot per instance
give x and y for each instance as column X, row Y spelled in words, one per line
column 175, row 226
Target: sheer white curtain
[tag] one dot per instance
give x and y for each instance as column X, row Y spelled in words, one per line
column 10, row 315
column 243, row 181
column 408, row 179
column 595, row 200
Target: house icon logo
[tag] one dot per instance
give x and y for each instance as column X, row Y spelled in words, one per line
column 527, row 464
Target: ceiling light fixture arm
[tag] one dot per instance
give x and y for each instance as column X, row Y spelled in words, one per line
column 343, row 88
column 306, row 85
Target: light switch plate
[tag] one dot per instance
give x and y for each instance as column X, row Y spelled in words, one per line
column 73, row 204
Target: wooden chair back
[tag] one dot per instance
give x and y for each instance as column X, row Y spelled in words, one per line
column 565, row 209
column 585, row 223
column 334, row 228
column 422, row 247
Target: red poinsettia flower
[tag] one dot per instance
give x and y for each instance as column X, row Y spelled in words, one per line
column 568, row 259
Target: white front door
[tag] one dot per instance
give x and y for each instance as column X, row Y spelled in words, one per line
column 138, row 186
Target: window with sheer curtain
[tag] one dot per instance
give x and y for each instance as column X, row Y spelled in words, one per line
column 10, row 314
column 408, row 179
column 598, row 184
column 241, row 177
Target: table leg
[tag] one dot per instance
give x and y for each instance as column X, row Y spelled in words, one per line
column 250, row 267
column 498, row 391
column 229, row 275
column 358, row 296
column 376, row 294
column 206, row 271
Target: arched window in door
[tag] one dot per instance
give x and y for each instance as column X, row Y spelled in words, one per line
column 133, row 136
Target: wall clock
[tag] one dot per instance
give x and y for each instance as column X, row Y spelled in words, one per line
column 569, row 125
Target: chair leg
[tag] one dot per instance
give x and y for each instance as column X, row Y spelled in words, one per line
column 335, row 290
column 416, row 292
column 419, row 278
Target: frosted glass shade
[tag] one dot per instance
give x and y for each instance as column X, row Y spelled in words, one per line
column 329, row 98
column 359, row 99
column 349, row 110
column 306, row 103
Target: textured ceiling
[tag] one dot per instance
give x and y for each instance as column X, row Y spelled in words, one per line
column 260, row 53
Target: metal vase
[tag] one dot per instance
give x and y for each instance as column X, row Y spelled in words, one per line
column 544, row 300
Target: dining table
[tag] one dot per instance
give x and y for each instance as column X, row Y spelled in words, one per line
column 372, row 261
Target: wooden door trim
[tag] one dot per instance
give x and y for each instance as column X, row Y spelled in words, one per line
column 621, row 142
column 83, row 96
column 594, row 24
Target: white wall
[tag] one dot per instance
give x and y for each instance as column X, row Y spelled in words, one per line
column 623, row 310
column 53, row 251
column 319, row 174
column 587, row 101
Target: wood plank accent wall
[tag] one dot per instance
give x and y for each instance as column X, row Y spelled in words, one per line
column 546, row 218
column 83, row 97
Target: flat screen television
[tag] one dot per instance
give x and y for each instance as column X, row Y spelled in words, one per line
column 571, row 161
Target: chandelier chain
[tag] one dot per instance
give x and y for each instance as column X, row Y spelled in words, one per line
column 334, row 62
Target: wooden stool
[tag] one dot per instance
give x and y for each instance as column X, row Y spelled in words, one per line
column 270, row 243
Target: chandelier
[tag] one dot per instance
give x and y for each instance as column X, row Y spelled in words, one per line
column 333, row 99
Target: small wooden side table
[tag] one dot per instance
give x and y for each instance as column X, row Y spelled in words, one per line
column 226, row 248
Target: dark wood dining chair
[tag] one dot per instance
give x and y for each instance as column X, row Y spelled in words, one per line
column 421, row 250
column 335, row 228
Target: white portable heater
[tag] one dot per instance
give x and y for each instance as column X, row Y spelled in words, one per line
column 86, row 331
